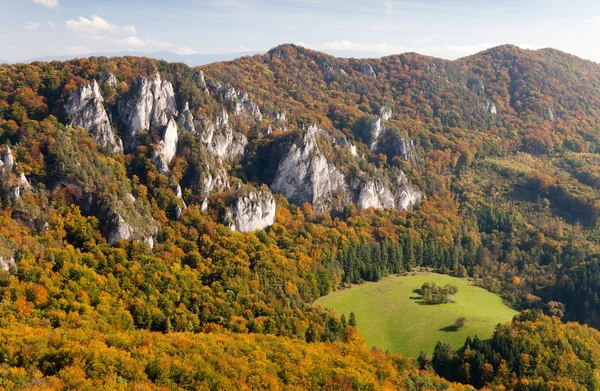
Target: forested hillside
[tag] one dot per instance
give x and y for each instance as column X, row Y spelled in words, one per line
column 154, row 207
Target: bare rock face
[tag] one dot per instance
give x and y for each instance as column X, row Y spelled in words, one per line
column 12, row 184
column 149, row 103
column 251, row 212
column 368, row 70
column 304, row 174
column 112, row 81
column 406, row 149
column 374, row 132
column 7, row 263
column 214, row 179
column 374, row 194
column 121, row 230
column 379, row 195
column 241, row 103
column 201, row 81
column 167, row 148
column 488, row 106
column 86, row 106
column 406, row 195
column 549, row 115
column 186, row 119
column 222, row 140
column 385, row 113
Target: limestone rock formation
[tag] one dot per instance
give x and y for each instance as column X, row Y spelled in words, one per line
column 251, row 212
column 149, row 103
column 304, row 174
column 385, row 113
column 221, row 139
column 241, row 103
column 121, row 230
column 167, row 147
column 377, row 194
column 12, row 183
column 86, row 106
column 374, row 131
column 112, row 81
column 368, row 70
column 7, row 263
column 488, row 106
column 186, row 119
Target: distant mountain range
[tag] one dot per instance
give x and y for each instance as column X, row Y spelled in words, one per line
column 189, row 59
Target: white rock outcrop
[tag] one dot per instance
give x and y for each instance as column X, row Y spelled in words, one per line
column 149, row 103
column 488, row 106
column 304, row 174
column 186, row 119
column 406, row 195
column 373, row 133
column 400, row 195
column 86, row 106
column 385, row 113
column 221, row 139
column 12, row 184
column 241, row 103
column 374, row 194
column 111, row 81
column 251, row 212
column 214, row 179
column 167, row 148
column 7, row 263
column 368, row 70
column 121, row 230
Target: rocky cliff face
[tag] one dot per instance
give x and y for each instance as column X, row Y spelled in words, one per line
column 304, row 174
column 7, row 263
column 400, row 194
column 86, row 106
column 368, row 70
column 251, row 212
column 186, row 119
column 220, row 138
column 12, row 183
column 167, row 148
column 149, row 103
column 488, row 106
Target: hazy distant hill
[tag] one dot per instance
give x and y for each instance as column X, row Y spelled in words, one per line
column 190, row 59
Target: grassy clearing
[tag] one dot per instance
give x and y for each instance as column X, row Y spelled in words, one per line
column 391, row 317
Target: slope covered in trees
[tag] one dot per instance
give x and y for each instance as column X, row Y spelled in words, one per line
column 484, row 167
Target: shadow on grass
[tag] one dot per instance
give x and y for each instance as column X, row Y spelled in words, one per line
column 450, row 329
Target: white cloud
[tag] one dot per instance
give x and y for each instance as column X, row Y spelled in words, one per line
column 244, row 48
column 32, row 26
column 157, row 43
column 96, row 25
column 388, row 8
column 131, row 41
column 47, row 3
column 78, row 50
column 129, row 30
column 51, row 25
column 186, row 51
column 91, row 26
column 594, row 20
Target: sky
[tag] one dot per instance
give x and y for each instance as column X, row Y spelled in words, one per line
column 443, row 28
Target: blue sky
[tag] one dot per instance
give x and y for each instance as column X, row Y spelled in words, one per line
column 448, row 29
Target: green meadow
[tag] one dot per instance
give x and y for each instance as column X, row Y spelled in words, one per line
column 391, row 316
